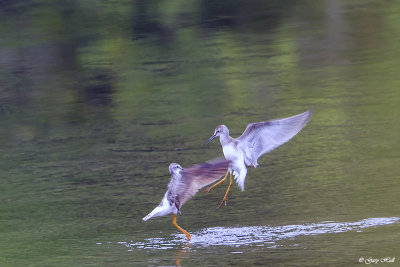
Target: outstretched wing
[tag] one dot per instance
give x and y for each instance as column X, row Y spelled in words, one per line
column 262, row 137
column 200, row 175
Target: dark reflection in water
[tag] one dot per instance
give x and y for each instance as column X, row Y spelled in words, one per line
column 97, row 98
column 268, row 236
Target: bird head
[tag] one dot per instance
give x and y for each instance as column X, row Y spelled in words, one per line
column 175, row 168
column 221, row 130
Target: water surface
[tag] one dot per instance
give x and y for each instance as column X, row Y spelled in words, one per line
column 97, row 99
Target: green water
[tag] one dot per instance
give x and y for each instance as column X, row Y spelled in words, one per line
column 97, row 98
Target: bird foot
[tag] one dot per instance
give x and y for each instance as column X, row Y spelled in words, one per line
column 210, row 188
column 207, row 190
column 188, row 236
column 223, row 202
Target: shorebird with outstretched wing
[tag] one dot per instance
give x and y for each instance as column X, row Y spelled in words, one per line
column 258, row 138
column 184, row 184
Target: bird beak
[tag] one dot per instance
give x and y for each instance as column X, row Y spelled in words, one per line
column 210, row 139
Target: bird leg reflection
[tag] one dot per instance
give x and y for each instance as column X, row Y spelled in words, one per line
column 227, row 191
column 185, row 248
column 218, row 183
column 178, row 257
column 180, row 228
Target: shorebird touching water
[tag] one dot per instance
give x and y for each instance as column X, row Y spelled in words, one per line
column 258, row 138
column 184, row 184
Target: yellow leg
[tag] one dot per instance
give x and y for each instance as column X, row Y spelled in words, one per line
column 218, row 183
column 227, row 191
column 180, row 228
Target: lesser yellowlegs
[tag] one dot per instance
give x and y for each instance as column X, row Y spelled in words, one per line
column 184, row 184
column 258, row 138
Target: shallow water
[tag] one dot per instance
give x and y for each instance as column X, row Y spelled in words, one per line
column 260, row 236
column 97, row 99
column 331, row 243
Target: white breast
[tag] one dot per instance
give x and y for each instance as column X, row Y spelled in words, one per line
column 235, row 155
column 231, row 153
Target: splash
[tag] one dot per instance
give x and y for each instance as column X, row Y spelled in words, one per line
column 256, row 235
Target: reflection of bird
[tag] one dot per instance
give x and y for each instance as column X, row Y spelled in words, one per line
column 184, row 184
column 258, row 139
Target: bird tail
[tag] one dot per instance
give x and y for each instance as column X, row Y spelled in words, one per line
column 152, row 214
column 240, row 178
column 163, row 209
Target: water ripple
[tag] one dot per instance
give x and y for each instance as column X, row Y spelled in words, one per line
column 256, row 235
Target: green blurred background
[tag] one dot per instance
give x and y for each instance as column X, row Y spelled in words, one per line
column 97, row 98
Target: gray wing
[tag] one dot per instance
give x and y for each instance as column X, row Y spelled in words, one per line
column 262, row 137
column 198, row 176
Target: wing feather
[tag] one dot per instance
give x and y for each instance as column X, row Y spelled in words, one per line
column 262, row 137
column 200, row 175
